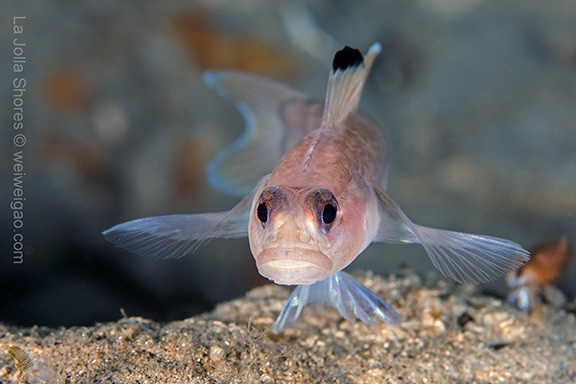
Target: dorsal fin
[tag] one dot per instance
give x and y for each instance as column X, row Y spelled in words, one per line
column 347, row 78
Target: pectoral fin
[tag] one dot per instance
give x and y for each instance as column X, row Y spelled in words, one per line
column 352, row 299
column 174, row 236
column 463, row 257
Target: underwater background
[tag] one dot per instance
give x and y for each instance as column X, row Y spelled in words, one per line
column 477, row 100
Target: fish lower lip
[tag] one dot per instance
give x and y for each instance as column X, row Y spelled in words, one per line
column 293, row 266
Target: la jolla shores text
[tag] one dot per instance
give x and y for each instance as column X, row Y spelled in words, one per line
column 19, row 139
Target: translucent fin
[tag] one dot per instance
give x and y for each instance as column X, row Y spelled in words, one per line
column 304, row 33
column 352, row 299
column 175, row 236
column 276, row 117
column 347, row 78
column 463, row 257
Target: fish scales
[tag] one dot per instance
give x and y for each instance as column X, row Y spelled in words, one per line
column 355, row 149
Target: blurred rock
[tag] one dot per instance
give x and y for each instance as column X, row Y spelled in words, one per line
column 212, row 47
column 66, row 89
column 188, row 166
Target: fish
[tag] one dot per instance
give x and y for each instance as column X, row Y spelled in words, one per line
column 313, row 176
column 536, row 278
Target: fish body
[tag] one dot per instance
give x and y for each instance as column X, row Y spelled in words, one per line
column 322, row 210
column 314, row 180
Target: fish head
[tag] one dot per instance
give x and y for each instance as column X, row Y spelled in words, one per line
column 299, row 236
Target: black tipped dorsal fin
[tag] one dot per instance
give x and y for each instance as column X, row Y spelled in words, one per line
column 346, row 81
column 346, row 58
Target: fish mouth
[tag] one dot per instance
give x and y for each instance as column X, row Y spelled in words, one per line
column 293, row 266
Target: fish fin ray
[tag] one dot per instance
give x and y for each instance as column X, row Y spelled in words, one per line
column 463, row 257
column 345, row 83
column 174, row 236
column 352, row 300
column 293, row 307
column 270, row 128
column 467, row 257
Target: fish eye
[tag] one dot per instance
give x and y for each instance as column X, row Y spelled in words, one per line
column 262, row 212
column 329, row 214
column 323, row 206
column 270, row 199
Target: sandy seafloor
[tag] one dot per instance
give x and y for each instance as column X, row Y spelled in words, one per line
column 233, row 343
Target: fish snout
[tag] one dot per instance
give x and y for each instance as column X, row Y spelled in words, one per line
column 293, row 266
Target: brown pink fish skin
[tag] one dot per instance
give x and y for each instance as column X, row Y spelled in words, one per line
column 342, row 160
column 356, row 149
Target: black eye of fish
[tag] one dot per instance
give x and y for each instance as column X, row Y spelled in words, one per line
column 270, row 199
column 262, row 212
column 322, row 204
column 329, row 214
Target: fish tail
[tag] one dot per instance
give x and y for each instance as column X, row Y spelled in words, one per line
column 266, row 106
